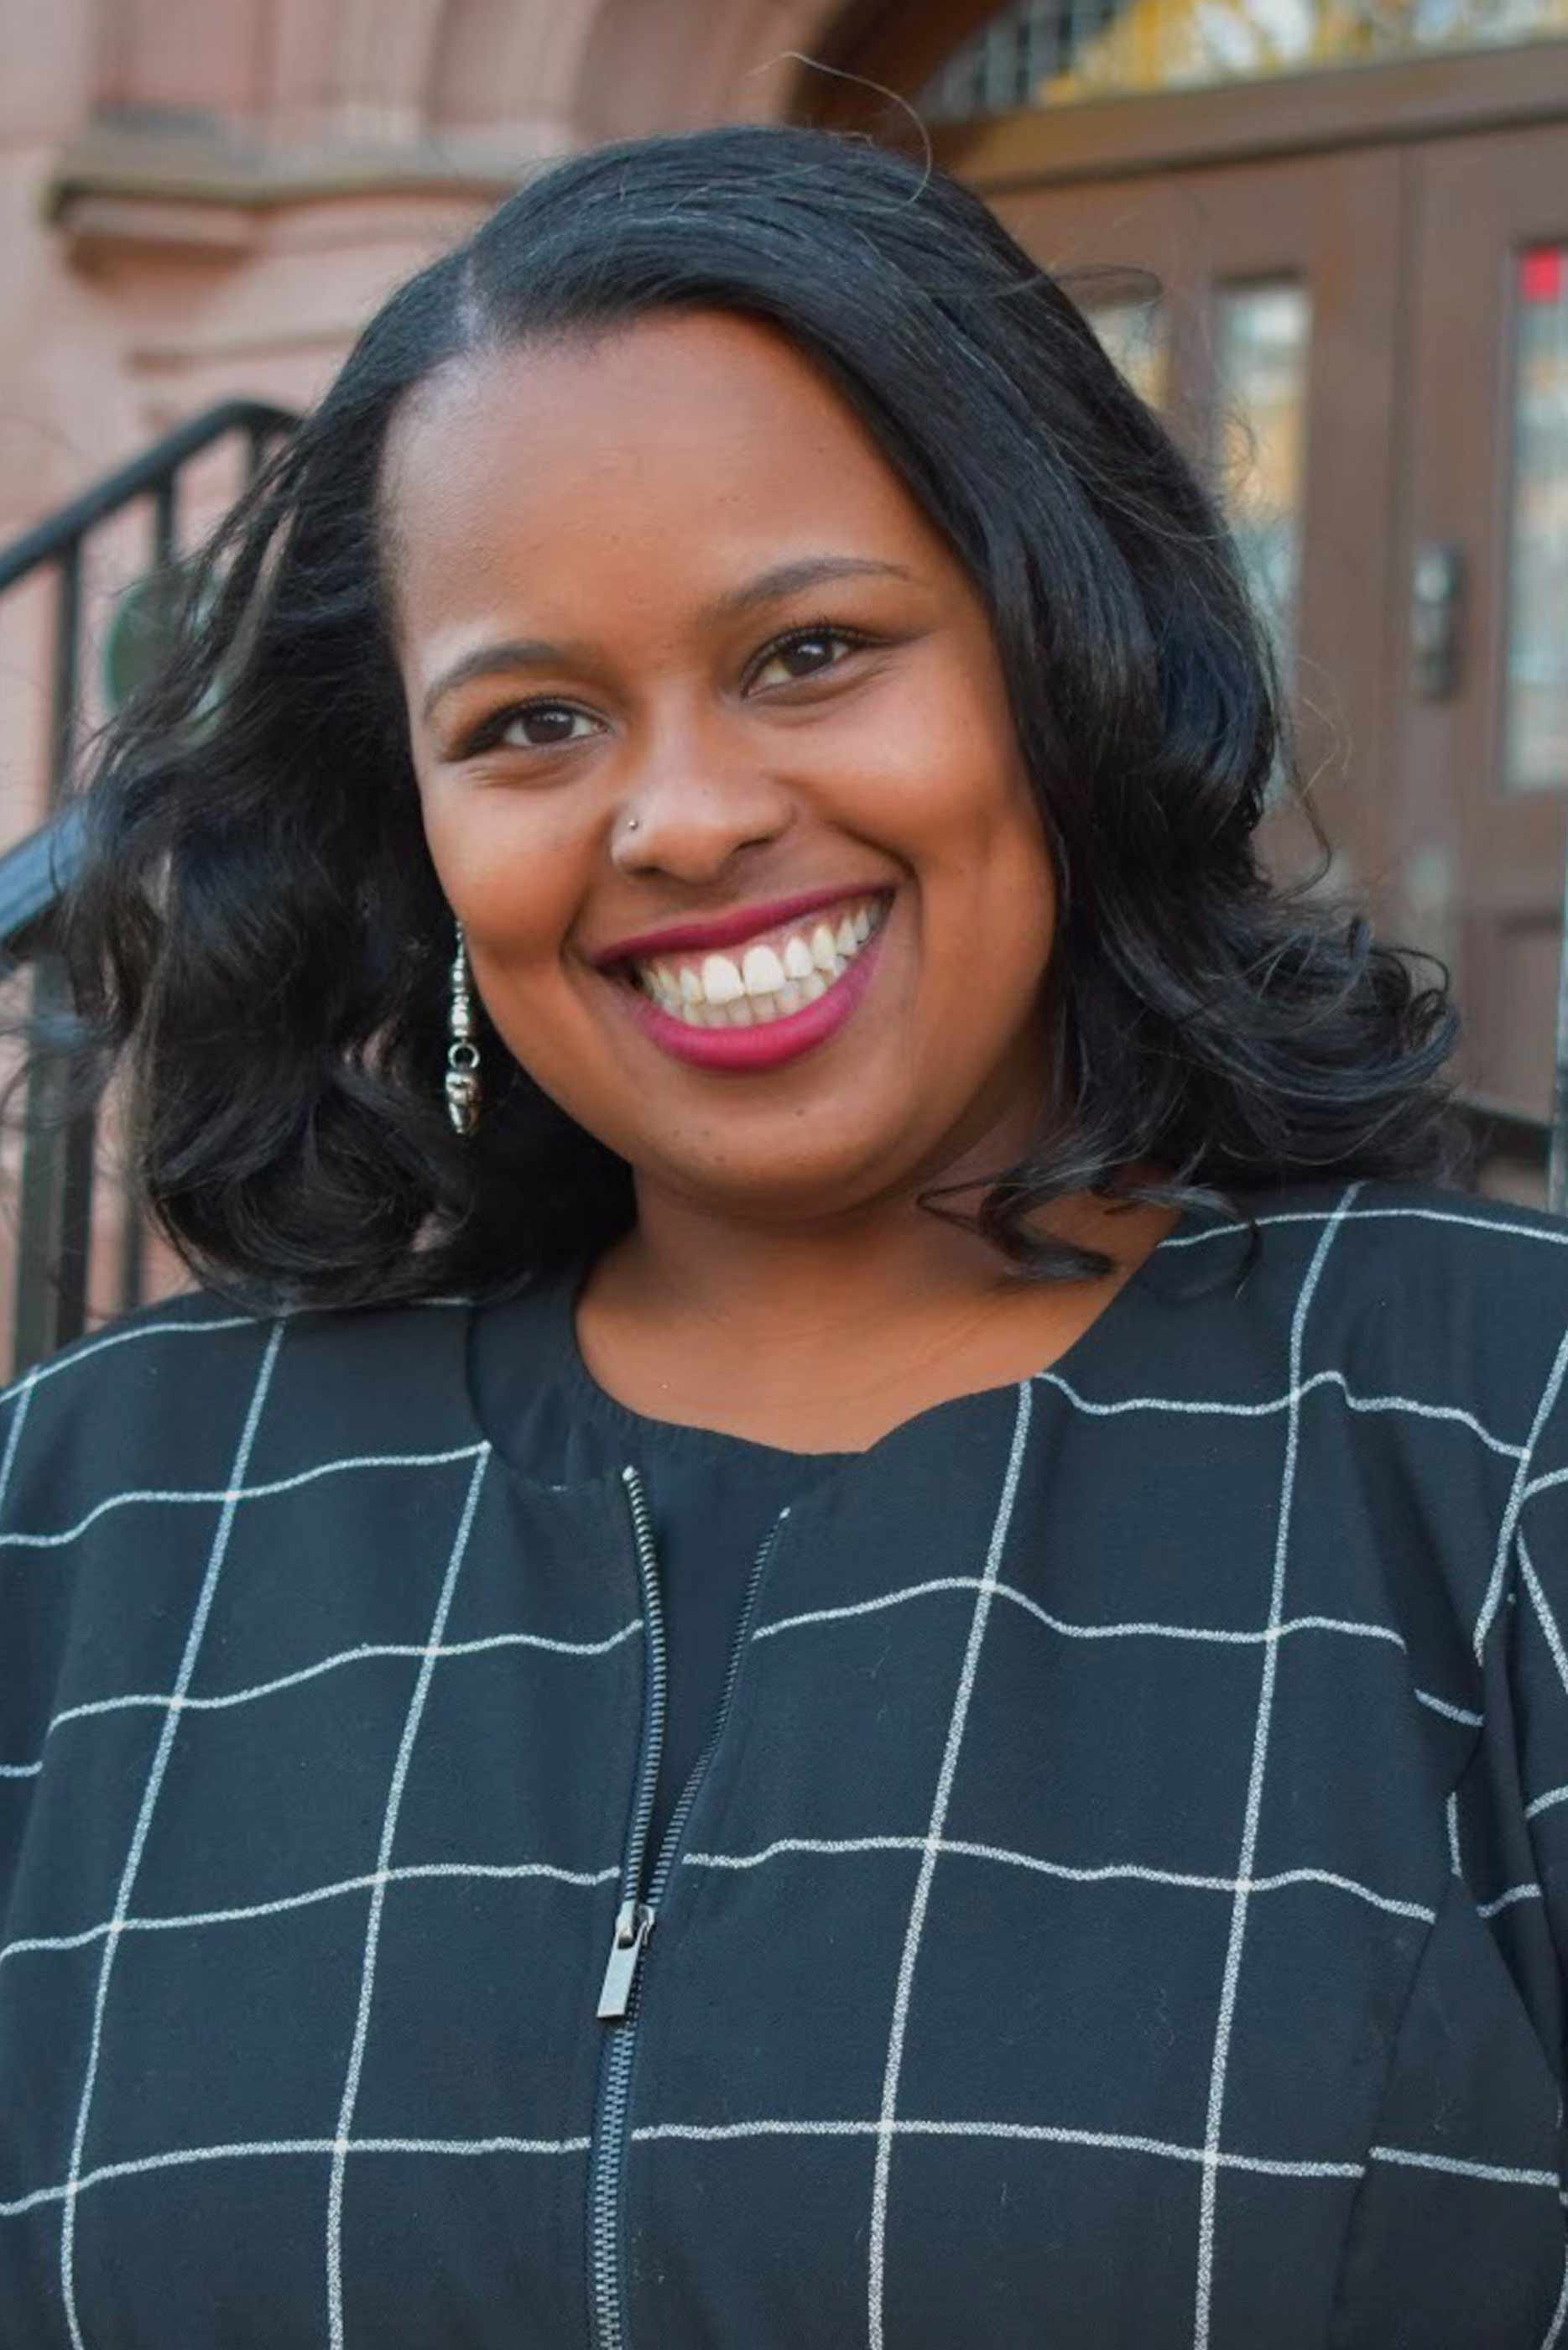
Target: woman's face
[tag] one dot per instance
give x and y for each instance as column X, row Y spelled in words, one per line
column 717, row 768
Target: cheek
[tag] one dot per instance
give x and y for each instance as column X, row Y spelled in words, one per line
column 970, row 817
column 513, row 877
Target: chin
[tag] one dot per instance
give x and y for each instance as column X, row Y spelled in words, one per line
column 809, row 1191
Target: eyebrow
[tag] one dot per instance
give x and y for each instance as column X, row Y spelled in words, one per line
column 768, row 588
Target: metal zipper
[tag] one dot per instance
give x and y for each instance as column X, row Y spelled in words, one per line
column 620, row 2002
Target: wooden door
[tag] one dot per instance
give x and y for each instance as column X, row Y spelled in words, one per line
column 1481, row 783
column 1430, row 622
column 1326, row 233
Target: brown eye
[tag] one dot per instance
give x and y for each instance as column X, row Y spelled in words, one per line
column 541, row 725
column 804, row 654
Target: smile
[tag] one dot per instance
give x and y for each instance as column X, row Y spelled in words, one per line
column 775, row 975
column 773, row 997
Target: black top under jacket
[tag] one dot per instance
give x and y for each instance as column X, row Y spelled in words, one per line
column 1124, row 1905
column 712, row 1500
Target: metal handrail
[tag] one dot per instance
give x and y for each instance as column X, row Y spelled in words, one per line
column 140, row 477
column 53, row 1230
column 32, row 876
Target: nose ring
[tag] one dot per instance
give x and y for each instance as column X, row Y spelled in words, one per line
column 631, row 823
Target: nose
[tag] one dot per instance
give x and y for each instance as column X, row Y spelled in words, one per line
column 694, row 806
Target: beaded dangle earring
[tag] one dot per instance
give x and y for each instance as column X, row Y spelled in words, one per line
column 463, row 1090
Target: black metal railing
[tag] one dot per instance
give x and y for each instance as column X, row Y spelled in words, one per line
column 51, row 1225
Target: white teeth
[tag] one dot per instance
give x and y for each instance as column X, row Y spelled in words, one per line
column 721, row 982
column 768, row 981
column 763, row 972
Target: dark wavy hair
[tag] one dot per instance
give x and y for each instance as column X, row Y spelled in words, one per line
column 257, row 934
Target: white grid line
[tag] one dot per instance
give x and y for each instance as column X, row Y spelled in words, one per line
column 377, row 1901
column 1456, row 1866
column 1546, row 1803
column 1506, row 1900
column 1544, row 1614
column 1025, row 2133
column 1213, row 1408
column 721, row 2133
column 1102, row 1873
column 1109, row 1872
column 1500, row 2174
column 927, row 1864
column 1516, row 1498
column 1460, row 1714
column 66, row 1362
column 229, row 1494
column 24, row 1395
column 144, row 1819
column 1134, row 1629
column 1375, row 1215
column 67, row 1358
column 1199, row 1408
column 182, row 2157
column 244, row 1912
column 1254, row 1795
column 364, row 1652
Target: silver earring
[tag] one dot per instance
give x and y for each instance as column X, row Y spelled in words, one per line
column 462, row 1052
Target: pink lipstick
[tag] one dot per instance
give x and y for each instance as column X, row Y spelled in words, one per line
column 772, row 1043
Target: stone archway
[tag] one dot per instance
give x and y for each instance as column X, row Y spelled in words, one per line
column 603, row 70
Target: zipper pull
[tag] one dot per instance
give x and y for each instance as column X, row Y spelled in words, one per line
column 633, row 1925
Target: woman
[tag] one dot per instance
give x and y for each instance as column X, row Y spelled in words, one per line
column 859, row 1642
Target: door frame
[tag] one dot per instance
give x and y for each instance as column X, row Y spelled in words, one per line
column 1162, row 130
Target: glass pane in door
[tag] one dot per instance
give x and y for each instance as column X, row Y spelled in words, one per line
column 1133, row 337
column 1261, row 382
column 1535, row 720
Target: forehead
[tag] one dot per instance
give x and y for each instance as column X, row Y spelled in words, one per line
column 685, row 444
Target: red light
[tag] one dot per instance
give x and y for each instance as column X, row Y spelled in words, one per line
column 1544, row 274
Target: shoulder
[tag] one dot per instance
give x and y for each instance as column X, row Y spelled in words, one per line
column 1419, row 1289
column 177, row 1393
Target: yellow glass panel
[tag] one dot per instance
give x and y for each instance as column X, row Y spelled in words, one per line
column 1535, row 720
column 1055, row 52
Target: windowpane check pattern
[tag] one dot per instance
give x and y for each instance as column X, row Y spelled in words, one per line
column 1125, row 1904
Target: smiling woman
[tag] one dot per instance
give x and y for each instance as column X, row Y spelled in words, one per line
column 699, row 669
column 828, row 1324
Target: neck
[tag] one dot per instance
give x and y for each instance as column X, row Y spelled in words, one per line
column 840, row 1305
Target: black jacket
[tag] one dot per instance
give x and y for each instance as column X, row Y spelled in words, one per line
column 1122, row 1904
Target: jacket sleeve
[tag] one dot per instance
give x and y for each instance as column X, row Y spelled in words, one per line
column 1531, row 1691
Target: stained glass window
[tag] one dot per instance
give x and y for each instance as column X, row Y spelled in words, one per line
column 1053, row 52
